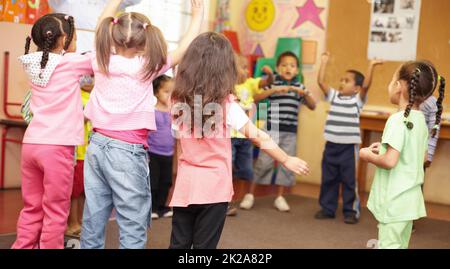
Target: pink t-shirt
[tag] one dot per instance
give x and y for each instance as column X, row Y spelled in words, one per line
column 56, row 100
column 122, row 101
column 204, row 166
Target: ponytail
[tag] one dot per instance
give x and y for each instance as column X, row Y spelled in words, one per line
column 104, row 42
column 412, row 96
column 27, row 44
column 155, row 52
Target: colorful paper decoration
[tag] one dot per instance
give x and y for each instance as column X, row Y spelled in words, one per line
column 36, row 9
column 309, row 12
column 15, row 11
column 260, row 15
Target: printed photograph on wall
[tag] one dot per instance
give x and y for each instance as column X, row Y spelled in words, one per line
column 394, row 30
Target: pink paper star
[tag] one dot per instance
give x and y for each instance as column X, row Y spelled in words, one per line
column 309, row 12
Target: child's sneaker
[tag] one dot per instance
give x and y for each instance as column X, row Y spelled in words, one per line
column 281, row 204
column 323, row 215
column 168, row 214
column 155, row 216
column 231, row 211
column 351, row 219
column 248, row 201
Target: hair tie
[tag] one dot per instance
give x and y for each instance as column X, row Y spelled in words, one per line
column 49, row 33
column 418, row 70
column 66, row 17
column 30, row 37
column 436, row 127
column 115, row 21
column 145, row 25
column 409, row 124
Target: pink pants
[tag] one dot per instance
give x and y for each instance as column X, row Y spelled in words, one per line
column 47, row 180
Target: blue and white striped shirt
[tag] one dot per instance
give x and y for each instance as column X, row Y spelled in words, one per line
column 343, row 126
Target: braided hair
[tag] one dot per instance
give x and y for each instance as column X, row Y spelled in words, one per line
column 46, row 32
column 422, row 78
column 439, row 105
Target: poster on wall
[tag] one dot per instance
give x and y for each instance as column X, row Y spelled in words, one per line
column 394, row 28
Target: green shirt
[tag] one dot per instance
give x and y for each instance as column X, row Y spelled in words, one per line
column 396, row 194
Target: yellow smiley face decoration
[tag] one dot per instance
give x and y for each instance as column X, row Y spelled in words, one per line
column 260, row 15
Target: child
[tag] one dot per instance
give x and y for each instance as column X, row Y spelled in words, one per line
column 131, row 53
column 161, row 149
column 47, row 164
column 287, row 94
column 77, row 201
column 342, row 133
column 203, row 189
column 248, row 92
column 396, row 198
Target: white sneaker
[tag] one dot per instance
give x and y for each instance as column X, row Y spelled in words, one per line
column 248, row 201
column 168, row 214
column 281, row 204
column 155, row 216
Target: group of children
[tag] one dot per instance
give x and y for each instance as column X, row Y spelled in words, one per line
column 136, row 113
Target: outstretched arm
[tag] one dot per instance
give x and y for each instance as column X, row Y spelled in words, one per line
column 263, row 140
column 321, row 79
column 110, row 10
column 368, row 80
column 192, row 32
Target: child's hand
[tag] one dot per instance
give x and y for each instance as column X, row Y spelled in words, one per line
column 365, row 153
column 197, row 7
column 325, row 57
column 376, row 62
column 282, row 89
column 375, row 147
column 267, row 69
column 296, row 165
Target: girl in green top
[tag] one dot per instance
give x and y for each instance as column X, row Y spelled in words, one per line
column 396, row 198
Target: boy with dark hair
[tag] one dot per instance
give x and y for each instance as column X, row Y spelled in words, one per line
column 342, row 133
column 286, row 95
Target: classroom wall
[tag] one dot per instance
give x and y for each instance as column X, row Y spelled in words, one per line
column 13, row 40
column 347, row 31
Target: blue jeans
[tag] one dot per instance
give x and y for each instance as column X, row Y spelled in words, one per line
column 242, row 150
column 116, row 175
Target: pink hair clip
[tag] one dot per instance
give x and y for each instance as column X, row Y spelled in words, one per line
column 115, row 21
column 145, row 25
column 30, row 37
column 66, row 17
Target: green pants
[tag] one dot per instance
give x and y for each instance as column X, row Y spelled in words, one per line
column 394, row 235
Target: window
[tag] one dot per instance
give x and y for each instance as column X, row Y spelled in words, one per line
column 171, row 16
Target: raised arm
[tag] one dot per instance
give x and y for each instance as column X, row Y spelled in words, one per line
column 321, row 78
column 110, row 10
column 369, row 76
column 192, row 32
column 263, row 140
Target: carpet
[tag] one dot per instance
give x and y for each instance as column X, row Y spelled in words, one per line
column 264, row 227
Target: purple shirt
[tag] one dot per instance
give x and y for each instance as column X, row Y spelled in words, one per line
column 162, row 142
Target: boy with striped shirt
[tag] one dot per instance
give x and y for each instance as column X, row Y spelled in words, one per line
column 342, row 133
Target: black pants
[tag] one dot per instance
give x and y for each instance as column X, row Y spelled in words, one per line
column 198, row 226
column 339, row 169
column 161, row 181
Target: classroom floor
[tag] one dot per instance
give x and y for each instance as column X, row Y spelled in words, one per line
column 11, row 202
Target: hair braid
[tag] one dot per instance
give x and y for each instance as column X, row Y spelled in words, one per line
column 439, row 105
column 27, row 45
column 71, row 32
column 412, row 91
column 48, row 43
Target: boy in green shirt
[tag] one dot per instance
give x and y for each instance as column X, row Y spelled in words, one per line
column 396, row 198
